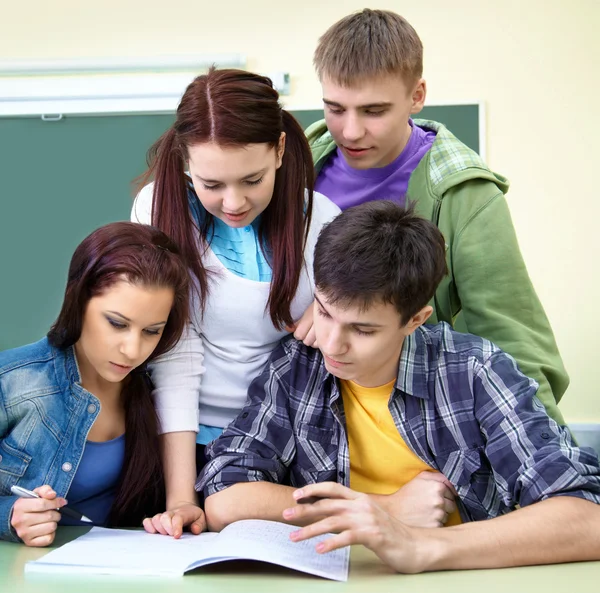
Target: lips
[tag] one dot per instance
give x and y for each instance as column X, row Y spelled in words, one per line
column 236, row 217
column 355, row 151
column 335, row 363
column 121, row 368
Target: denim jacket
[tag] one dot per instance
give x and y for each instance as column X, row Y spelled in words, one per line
column 45, row 417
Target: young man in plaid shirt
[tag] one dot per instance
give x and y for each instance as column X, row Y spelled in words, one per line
column 392, row 427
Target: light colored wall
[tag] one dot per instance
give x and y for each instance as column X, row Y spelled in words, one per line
column 535, row 63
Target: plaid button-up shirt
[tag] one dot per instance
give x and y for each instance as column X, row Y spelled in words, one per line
column 459, row 403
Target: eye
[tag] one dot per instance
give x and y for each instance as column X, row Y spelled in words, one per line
column 254, row 182
column 116, row 324
column 323, row 313
column 361, row 332
column 210, row 187
column 152, row 332
column 335, row 110
column 374, row 113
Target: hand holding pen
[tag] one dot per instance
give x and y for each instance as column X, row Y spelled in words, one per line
column 36, row 514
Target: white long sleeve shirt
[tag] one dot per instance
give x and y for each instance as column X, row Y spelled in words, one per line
column 205, row 378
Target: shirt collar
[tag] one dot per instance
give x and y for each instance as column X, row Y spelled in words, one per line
column 413, row 368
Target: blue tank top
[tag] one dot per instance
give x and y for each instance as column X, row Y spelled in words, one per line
column 93, row 489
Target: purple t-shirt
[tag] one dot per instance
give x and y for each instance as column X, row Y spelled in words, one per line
column 347, row 187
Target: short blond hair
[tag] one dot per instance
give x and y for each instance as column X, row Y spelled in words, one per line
column 369, row 44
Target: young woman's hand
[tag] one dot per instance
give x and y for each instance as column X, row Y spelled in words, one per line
column 173, row 521
column 35, row 519
column 303, row 328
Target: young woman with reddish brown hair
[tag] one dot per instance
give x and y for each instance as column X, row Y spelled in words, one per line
column 232, row 185
column 76, row 413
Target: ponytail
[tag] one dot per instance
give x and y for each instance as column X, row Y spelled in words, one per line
column 286, row 221
column 170, row 209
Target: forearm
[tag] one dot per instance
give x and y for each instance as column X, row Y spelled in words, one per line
column 560, row 529
column 248, row 500
column 179, row 466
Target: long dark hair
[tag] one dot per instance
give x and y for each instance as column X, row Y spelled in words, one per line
column 146, row 257
column 237, row 108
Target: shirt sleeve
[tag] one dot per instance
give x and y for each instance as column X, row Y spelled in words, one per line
column 177, row 374
column 141, row 210
column 532, row 457
column 6, row 502
column 259, row 444
column 177, row 377
column 6, row 507
column 497, row 297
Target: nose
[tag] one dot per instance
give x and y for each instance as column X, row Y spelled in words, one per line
column 234, row 200
column 354, row 129
column 334, row 343
column 131, row 347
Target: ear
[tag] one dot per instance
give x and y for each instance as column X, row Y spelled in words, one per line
column 280, row 149
column 418, row 96
column 418, row 319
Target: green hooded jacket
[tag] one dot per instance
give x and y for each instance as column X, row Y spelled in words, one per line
column 487, row 291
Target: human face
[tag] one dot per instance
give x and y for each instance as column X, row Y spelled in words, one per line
column 363, row 346
column 121, row 328
column 369, row 120
column 235, row 183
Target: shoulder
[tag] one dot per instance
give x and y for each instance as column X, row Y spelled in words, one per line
column 323, row 212
column 142, row 206
column 297, row 361
column 28, row 369
column 36, row 353
column 443, row 341
column 450, row 161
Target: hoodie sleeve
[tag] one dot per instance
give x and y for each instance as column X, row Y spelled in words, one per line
column 494, row 289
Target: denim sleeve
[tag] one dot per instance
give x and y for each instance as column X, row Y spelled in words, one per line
column 531, row 455
column 259, row 445
column 6, row 507
column 6, row 502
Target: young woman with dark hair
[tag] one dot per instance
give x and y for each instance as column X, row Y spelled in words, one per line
column 76, row 413
column 232, row 185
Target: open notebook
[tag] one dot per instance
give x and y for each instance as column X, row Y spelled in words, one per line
column 123, row 552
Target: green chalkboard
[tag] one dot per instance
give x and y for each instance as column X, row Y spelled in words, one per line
column 59, row 180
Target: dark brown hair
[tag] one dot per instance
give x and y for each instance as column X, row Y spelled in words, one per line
column 237, row 108
column 146, row 257
column 380, row 252
column 367, row 45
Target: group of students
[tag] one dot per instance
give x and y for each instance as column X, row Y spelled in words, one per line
column 248, row 347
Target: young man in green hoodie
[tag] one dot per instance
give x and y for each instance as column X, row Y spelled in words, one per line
column 367, row 148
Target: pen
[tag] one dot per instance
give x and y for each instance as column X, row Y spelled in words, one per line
column 66, row 511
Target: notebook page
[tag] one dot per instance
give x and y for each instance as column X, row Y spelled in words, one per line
column 269, row 541
column 123, row 552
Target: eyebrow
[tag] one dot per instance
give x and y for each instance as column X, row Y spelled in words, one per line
column 259, row 172
column 127, row 319
column 380, row 105
column 352, row 323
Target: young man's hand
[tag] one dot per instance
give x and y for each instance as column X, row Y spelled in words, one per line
column 35, row 519
column 303, row 329
column 356, row 518
column 173, row 521
column 426, row 501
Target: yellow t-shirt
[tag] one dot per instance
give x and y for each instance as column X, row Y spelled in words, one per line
column 380, row 461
